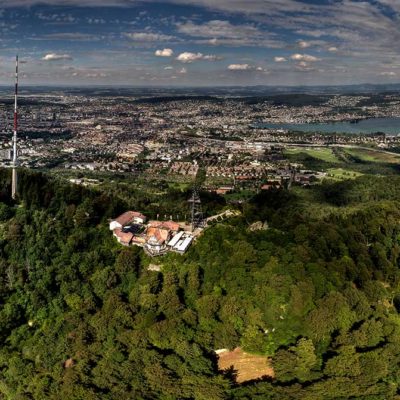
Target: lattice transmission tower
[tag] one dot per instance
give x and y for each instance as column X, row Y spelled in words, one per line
column 197, row 218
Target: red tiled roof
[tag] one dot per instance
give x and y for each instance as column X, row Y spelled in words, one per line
column 174, row 226
column 128, row 217
column 155, row 224
column 125, row 237
column 160, row 234
column 171, row 225
column 139, row 239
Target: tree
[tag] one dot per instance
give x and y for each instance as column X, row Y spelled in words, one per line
column 345, row 364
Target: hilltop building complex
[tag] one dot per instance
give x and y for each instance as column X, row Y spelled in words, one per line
column 156, row 237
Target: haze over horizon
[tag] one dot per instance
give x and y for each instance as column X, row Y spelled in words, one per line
column 200, row 42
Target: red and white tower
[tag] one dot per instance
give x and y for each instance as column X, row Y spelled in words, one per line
column 15, row 152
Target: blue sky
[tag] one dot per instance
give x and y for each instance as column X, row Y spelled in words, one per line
column 201, row 42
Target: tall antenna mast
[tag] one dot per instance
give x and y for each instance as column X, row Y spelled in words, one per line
column 15, row 154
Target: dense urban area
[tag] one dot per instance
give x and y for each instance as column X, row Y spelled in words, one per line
column 180, row 137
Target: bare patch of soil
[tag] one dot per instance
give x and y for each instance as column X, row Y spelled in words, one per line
column 245, row 366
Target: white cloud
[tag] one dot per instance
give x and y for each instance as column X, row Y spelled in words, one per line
column 388, row 73
column 218, row 29
column 365, row 34
column 239, row 67
column 303, row 44
column 168, row 67
column 66, row 3
column 394, row 4
column 188, row 57
column 304, row 57
column 304, row 66
column 96, row 21
column 212, row 57
column 70, row 36
column 149, row 37
column 56, row 57
column 222, row 32
column 96, row 75
column 164, row 53
column 223, row 5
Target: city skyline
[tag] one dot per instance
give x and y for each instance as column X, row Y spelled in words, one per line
column 201, row 43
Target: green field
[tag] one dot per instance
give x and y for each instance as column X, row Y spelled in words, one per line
column 373, row 155
column 341, row 173
column 345, row 162
column 320, row 153
column 328, row 154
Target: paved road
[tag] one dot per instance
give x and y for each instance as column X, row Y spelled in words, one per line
column 227, row 213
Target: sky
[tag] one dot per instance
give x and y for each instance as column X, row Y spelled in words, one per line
column 200, row 42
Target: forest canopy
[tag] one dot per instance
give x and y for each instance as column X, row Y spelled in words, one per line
column 83, row 318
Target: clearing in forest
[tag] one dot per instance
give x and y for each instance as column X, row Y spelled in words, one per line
column 245, row 366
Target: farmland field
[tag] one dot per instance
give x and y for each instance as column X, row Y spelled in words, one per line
column 320, row 153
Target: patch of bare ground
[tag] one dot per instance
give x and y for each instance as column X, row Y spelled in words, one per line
column 244, row 366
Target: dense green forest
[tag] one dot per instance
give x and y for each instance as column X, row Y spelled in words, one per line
column 83, row 318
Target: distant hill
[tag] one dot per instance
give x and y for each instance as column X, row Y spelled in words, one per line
column 241, row 91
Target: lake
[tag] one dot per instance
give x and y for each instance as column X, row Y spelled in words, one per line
column 390, row 126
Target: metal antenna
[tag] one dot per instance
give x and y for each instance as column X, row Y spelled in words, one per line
column 15, row 154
